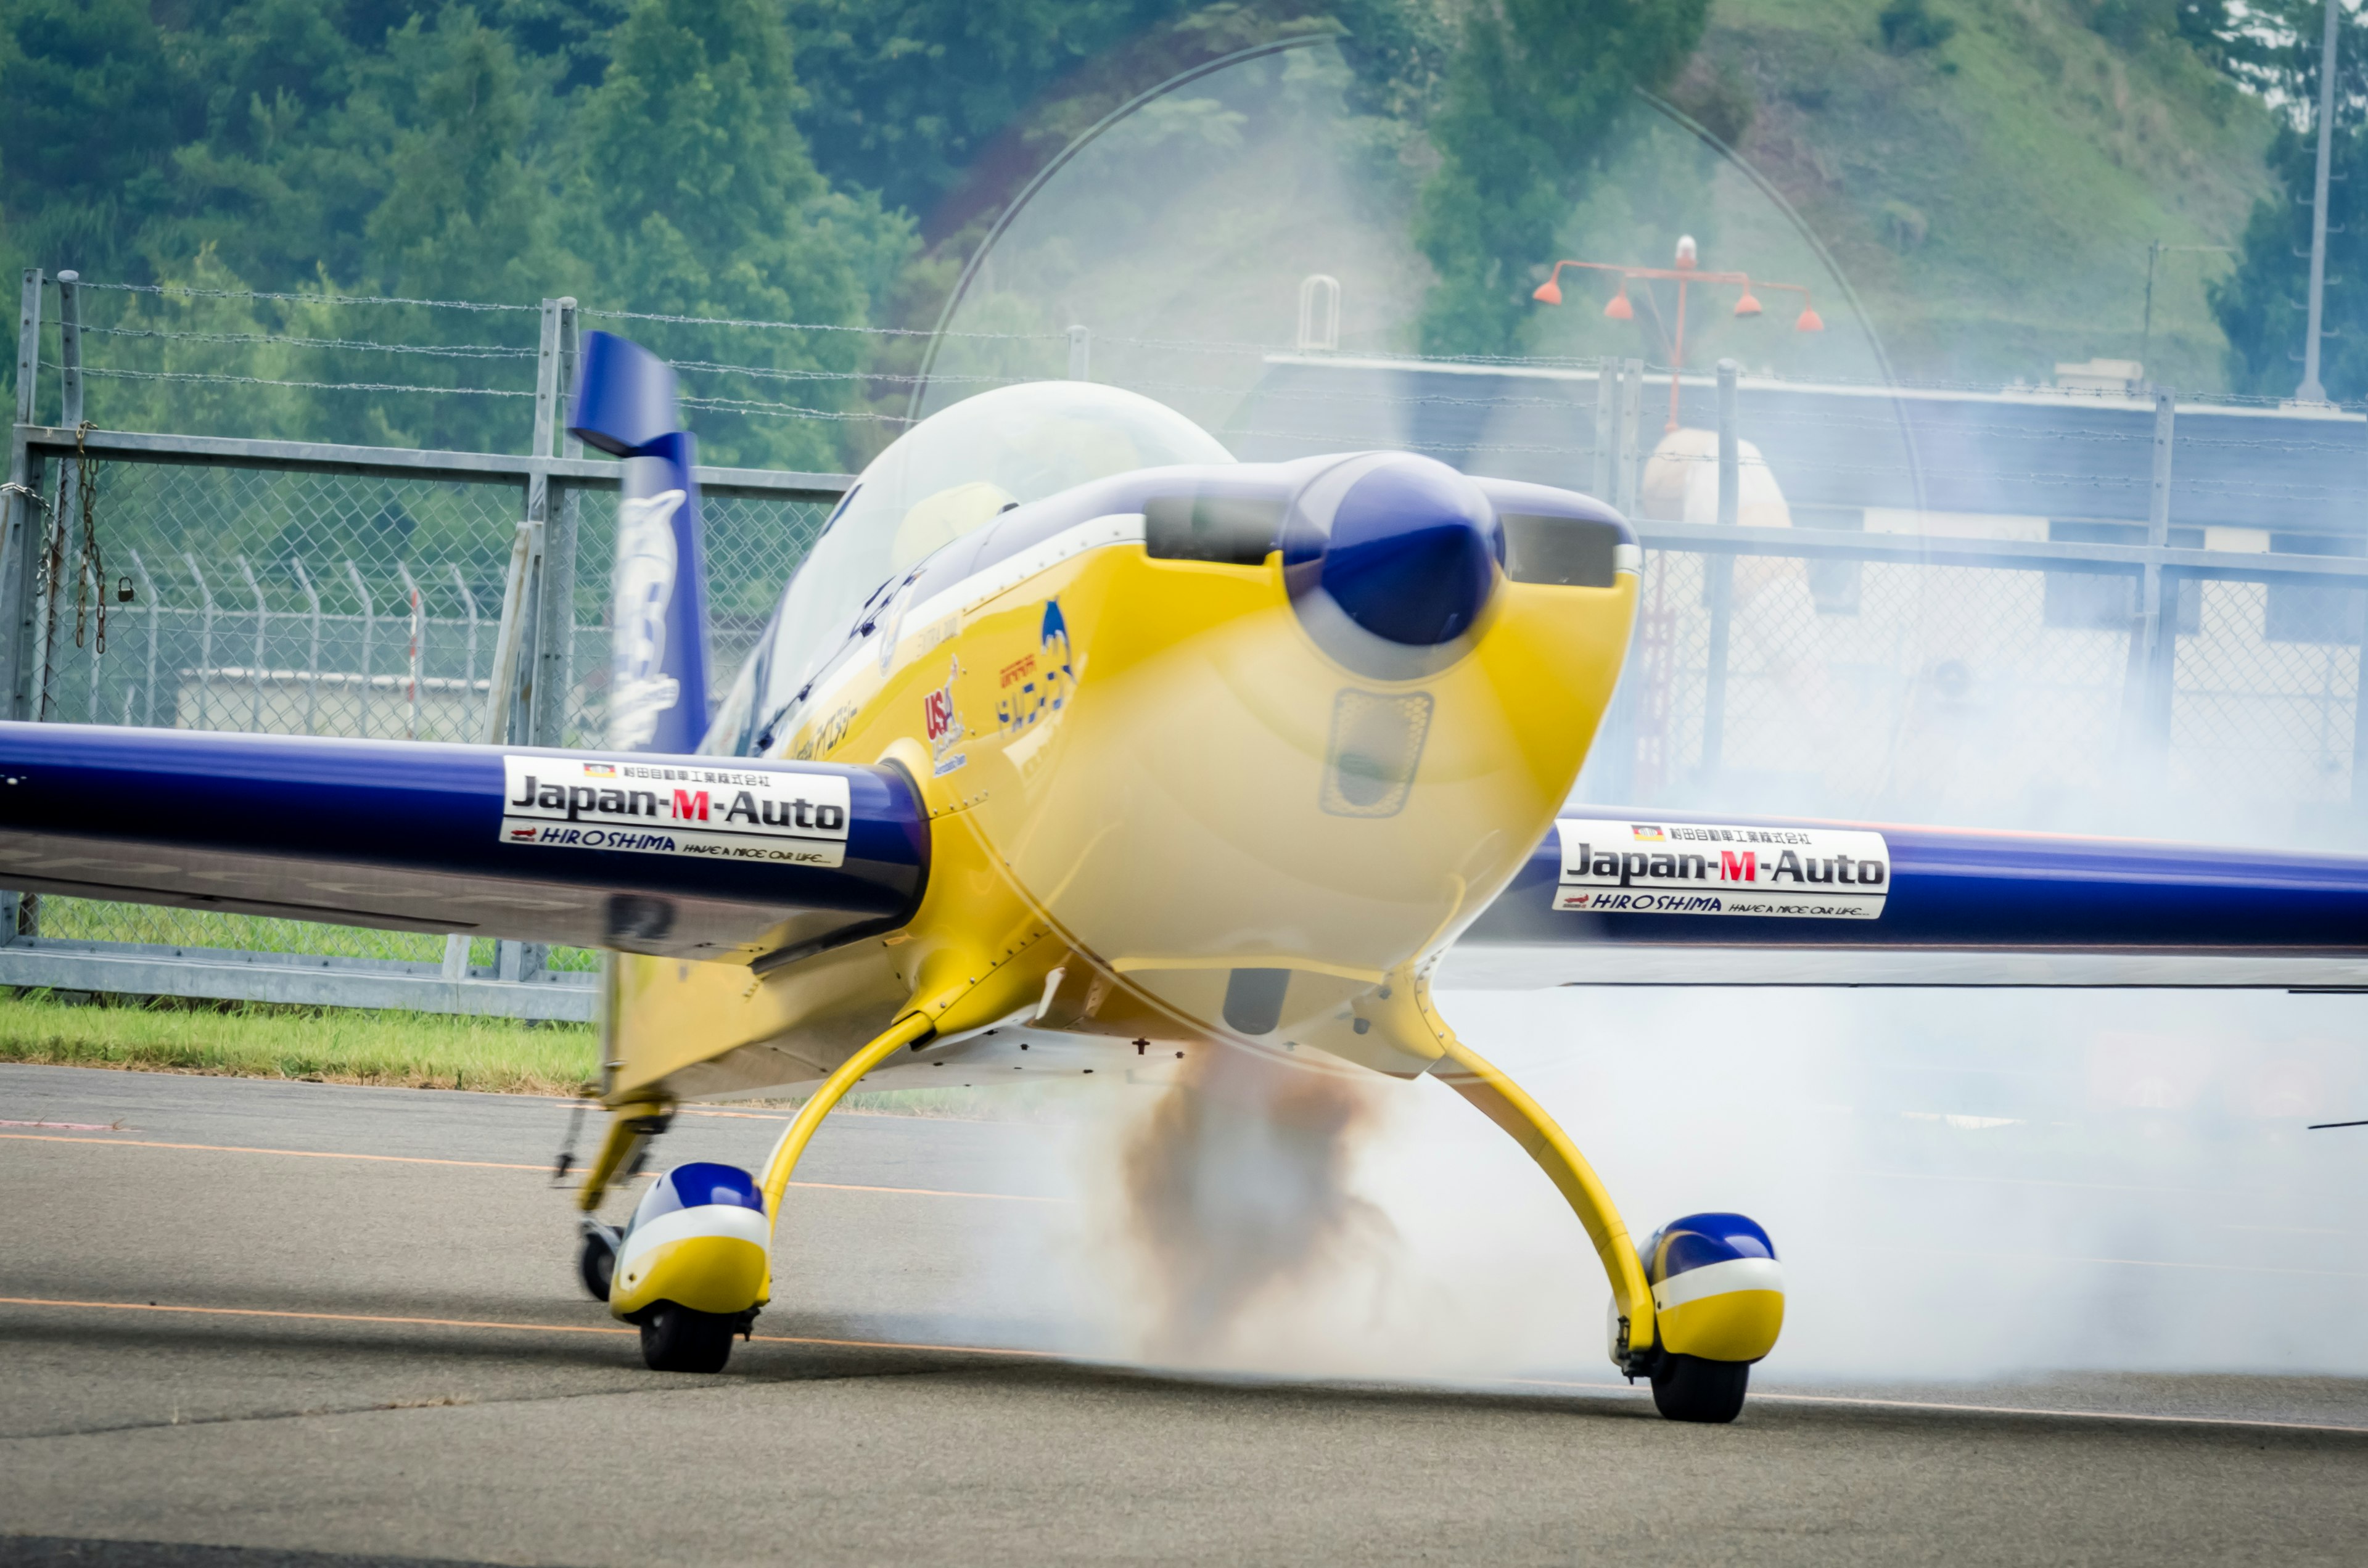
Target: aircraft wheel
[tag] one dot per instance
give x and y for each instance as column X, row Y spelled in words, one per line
column 596, row 1263
column 676, row 1339
column 1688, row 1388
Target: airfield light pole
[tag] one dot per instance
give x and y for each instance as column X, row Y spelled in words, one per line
column 1685, row 274
column 2311, row 390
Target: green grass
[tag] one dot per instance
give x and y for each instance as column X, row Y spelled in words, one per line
column 426, row 1051
column 2032, row 159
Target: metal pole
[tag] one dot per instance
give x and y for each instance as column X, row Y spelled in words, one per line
column 205, row 643
column 2153, row 647
column 469, row 601
column 1607, row 423
column 2311, row 390
column 70, row 349
column 571, row 344
column 312, row 659
column 1632, row 397
column 418, row 647
column 18, row 516
column 1718, row 579
column 155, row 609
column 369, row 634
column 1081, row 354
column 2145, row 331
column 262, row 619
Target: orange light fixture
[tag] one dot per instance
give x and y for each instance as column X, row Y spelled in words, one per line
column 1548, row 293
column 1748, row 305
column 1620, row 308
column 1809, row 322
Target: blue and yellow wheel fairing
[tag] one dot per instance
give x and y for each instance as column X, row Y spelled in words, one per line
column 701, row 1239
column 1718, row 1291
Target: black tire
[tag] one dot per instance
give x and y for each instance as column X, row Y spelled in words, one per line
column 595, row 1263
column 1686, row 1388
column 676, row 1339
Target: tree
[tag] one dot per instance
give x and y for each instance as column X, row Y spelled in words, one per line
column 695, row 196
column 1529, row 112
column 2262, row 305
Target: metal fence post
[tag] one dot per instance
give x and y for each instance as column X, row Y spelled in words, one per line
column 415, row 668
column 1081, row 353
column 70, row 349
column 1606, row 425
column 262, row 620
column 1632, row 397
column 370, row 635
column 155, row 608
column 2154, row 640
column 554, row 597
column 16, row 531
column 205, row 647
column 312, row 659
column 18, row 514
column 1718, row 579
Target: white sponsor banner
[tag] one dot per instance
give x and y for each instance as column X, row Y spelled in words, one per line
column 719, row 812
column 1624, row 866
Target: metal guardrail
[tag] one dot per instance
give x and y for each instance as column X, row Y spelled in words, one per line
column 324, row 588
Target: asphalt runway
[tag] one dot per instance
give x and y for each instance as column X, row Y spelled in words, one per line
column 254, row 1325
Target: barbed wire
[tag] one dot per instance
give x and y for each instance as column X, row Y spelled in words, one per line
column 825, row 326
column 180, row 291
column 306, row 386
column 449, row 351
column 789, row 410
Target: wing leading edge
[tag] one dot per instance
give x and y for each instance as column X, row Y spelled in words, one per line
column 688, row 857
column 1694, row 900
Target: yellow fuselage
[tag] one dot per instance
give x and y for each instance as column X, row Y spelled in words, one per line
column 1143, row 775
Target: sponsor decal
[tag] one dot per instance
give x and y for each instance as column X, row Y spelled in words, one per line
column 1623, row 867
column 940, row 720
column 716, row 813
column 1045, row 678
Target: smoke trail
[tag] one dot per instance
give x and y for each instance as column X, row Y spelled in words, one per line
column 1237, row 1192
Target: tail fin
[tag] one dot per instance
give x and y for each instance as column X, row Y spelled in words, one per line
column 626, row 406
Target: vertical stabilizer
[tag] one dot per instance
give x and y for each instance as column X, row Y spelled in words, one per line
column 626, row 406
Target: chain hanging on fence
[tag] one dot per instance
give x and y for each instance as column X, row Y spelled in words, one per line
column 90, row 583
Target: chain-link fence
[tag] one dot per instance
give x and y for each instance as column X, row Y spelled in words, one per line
column 1943, row 691
column 279, row 602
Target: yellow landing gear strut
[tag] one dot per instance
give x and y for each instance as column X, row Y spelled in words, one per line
column 1694, row 1315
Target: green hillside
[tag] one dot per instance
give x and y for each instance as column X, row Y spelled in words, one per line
column 1992, row 196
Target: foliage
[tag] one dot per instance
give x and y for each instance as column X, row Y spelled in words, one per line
column 1909, row 25
column 1527, row 112
column 2262, row 305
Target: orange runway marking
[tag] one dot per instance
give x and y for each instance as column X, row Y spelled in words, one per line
column 1987, row 1409
column 487, row 1322
column 491, row 1166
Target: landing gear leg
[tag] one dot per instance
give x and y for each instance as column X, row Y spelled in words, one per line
column 1634, row 1339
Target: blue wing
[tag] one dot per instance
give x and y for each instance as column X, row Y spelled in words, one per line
column 690, row 856
column 1952, row 907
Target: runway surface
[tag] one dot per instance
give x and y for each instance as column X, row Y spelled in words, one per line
column 247, row 1323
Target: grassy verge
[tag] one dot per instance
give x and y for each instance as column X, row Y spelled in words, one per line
column 426, row 1051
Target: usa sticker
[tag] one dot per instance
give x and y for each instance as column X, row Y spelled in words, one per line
column 717, row 813
column 1619, row 866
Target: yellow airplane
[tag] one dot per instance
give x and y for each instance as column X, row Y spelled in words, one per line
column 1074, row 736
